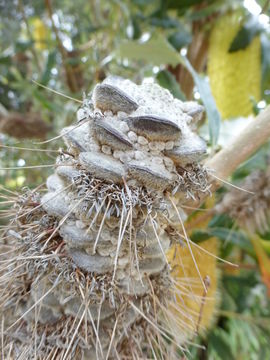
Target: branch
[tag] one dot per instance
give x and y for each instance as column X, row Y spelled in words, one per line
column 253, row 136
column 69, row 73
column 32, row 49
column 225, row 162
column 265, row 7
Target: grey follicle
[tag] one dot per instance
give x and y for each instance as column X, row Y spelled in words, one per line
column 154, row 127
column 108, row 97
column 102, row 166
column 154, row 177
column 108, row 135
column 191, row 149
column 194, row 110
column 54, row 183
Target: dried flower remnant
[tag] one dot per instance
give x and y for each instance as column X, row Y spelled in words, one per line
column 249, row 208
column 85, row 275
column 24, row 126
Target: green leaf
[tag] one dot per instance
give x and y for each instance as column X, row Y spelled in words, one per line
column 52, row 106
column 179, row 39
column 49, row 65
column 198, row 14
column 240, row 288
column 227, row 235
column 142, row 2
column 228, row 303
column 165, row 22
column 136, row 34
column 199, row 235
column 168, row 81
column 221, row 220
column 23, row 45
column 220, row 343
column 213, row 115
column 245, row 35
column 257, row 162
column 182, row 4
column 5, row 60
column 266, row 246
column 156, row 51
column 246, row 281
column 265, row 46
column 236, row 237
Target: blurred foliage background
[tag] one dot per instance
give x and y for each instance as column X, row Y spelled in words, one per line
column 216, row 52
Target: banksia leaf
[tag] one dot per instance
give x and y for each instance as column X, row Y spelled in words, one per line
column 88, row 277
column 235, row 77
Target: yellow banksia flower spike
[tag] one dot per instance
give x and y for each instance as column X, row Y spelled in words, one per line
column 196, row 306
column 40, row 34
column 235, row 78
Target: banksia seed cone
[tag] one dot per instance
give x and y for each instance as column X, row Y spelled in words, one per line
column 86, row 275
column 250, row 208
column 234, row 77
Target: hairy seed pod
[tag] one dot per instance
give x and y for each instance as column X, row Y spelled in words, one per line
column 194, row 110
column 68, row 173
column 191, row 148
column 153, row 176
column 154, row 128
column 55, row 205
column 102, row 166
column 73, row 138
column 108, row 135
column 91, row 263
column 107, row 97
column 54, row 183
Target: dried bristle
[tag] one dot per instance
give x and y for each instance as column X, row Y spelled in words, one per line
column 87, row 275
column 250, row 207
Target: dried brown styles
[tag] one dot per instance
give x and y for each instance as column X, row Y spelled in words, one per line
column 250, row 207
column 94, row 282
